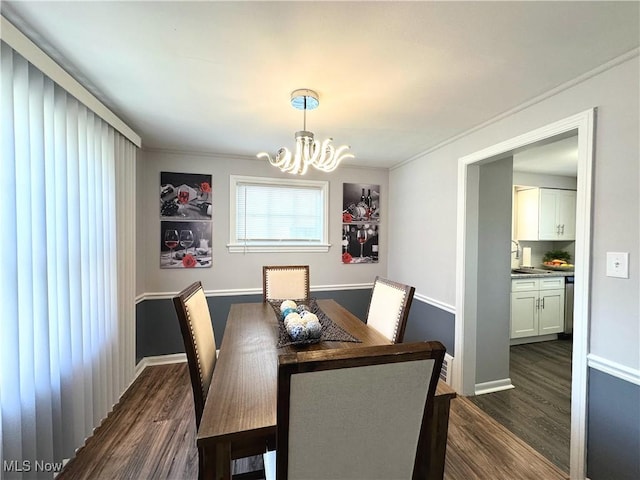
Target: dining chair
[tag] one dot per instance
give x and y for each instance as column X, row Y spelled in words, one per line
column 285, row 282
column 389, row 308
column 200, row 347
column 355, row 413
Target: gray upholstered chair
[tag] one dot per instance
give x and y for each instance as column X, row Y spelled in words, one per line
column 389, row 308
column 281, row 282
column 355, row 413
column 200, row 346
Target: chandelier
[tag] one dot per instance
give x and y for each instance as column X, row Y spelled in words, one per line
column 308, row 152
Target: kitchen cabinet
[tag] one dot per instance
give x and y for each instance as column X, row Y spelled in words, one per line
column 545, row 214
column 537, row 306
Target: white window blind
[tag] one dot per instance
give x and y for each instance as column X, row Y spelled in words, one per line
column 278, row 214
column 67, row 345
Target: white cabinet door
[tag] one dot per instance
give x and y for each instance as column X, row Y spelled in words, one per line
column 546, row 214
column 548, row 226
column 567, row 214
column 551, row 312
column 524, row 314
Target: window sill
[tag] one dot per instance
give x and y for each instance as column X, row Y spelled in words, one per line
column 239, row 248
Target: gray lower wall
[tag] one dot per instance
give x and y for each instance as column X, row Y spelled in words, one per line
column 158, row 333
column 613, row 441
column 427, row 322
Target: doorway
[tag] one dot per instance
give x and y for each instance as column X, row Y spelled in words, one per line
column 468, row 254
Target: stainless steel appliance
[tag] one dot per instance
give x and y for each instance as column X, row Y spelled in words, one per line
column 568, row 305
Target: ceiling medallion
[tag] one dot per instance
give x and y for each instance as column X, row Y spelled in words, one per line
column 308, row 152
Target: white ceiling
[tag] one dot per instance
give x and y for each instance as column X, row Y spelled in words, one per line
column 394, row 78
column 559, row 157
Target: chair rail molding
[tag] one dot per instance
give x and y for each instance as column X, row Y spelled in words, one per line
column 615, row 369
column 252, row 291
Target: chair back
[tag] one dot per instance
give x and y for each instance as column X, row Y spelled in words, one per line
column 389, row 308
column 199, row 341
column 285, row 282
column 357, row 413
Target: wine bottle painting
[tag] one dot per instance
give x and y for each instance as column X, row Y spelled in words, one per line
column 185, row 244
column 360, row 223
column 186, row 195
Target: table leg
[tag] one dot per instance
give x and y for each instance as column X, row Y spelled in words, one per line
column 223, row 462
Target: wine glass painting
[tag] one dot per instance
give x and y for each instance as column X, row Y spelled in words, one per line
column 186, row 210
column 360, row 223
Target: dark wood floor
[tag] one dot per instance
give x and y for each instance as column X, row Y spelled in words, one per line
column 151, row 435
column 538, row 409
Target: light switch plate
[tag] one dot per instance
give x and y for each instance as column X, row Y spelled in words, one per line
column 618, row 264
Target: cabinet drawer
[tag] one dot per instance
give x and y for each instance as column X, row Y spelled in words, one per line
column 525, row 284
column 551, row 283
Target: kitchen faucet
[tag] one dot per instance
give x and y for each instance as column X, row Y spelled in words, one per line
column 517, row 250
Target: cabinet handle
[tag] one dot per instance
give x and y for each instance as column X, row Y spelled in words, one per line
column 558, row 229
column 563, row 229
column 542, row 303
column 537, row 303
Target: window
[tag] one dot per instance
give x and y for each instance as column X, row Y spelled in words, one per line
column 276, row 215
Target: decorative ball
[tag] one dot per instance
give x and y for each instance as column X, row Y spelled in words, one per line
column 314, row 329
column 302, row 308
column 304, row 313
column 287, row 304
column 292, row 318
column 297, row 332
column 287, row 311
column 310, row 317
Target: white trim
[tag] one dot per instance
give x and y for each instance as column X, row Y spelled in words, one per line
column 615, row 369
column 321, row 246
column 466, row 274
column 139, row 298
column 565, row 86
column 435, row 303
column 250, row 291
column 159, row 360
column 36, row 56
column 314, row 248
column 493, row 386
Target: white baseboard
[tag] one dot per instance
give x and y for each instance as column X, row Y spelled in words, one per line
column 159, row 360
column 493, row 386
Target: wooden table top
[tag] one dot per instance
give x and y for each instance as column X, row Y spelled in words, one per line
column 242, row 400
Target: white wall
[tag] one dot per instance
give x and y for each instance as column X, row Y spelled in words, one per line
column 238, row 270
column 428, row 185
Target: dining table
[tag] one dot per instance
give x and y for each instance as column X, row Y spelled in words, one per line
column 239, row 417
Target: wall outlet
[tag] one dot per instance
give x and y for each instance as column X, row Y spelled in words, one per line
column 618, row 264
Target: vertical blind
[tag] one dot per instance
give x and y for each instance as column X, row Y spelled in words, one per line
column 67, row 276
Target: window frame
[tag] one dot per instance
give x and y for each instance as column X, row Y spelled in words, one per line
column 238, row 246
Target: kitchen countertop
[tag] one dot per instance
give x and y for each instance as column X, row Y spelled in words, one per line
column 552, row 273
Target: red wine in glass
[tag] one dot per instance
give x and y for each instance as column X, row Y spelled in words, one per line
column 183, row 196
column 361, row 236
column 183, row 199
column 171, row 240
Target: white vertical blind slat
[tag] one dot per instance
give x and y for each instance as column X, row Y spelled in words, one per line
column 68, row 309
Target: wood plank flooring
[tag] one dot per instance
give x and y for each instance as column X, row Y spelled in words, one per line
column 151, row 435
column 538, row 409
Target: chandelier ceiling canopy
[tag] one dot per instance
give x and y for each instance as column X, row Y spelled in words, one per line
column 308, row 152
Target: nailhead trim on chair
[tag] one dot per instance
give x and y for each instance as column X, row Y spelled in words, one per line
column 195, row 347
column 404, row 294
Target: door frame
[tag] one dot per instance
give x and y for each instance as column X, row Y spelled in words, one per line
column 464, row 368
